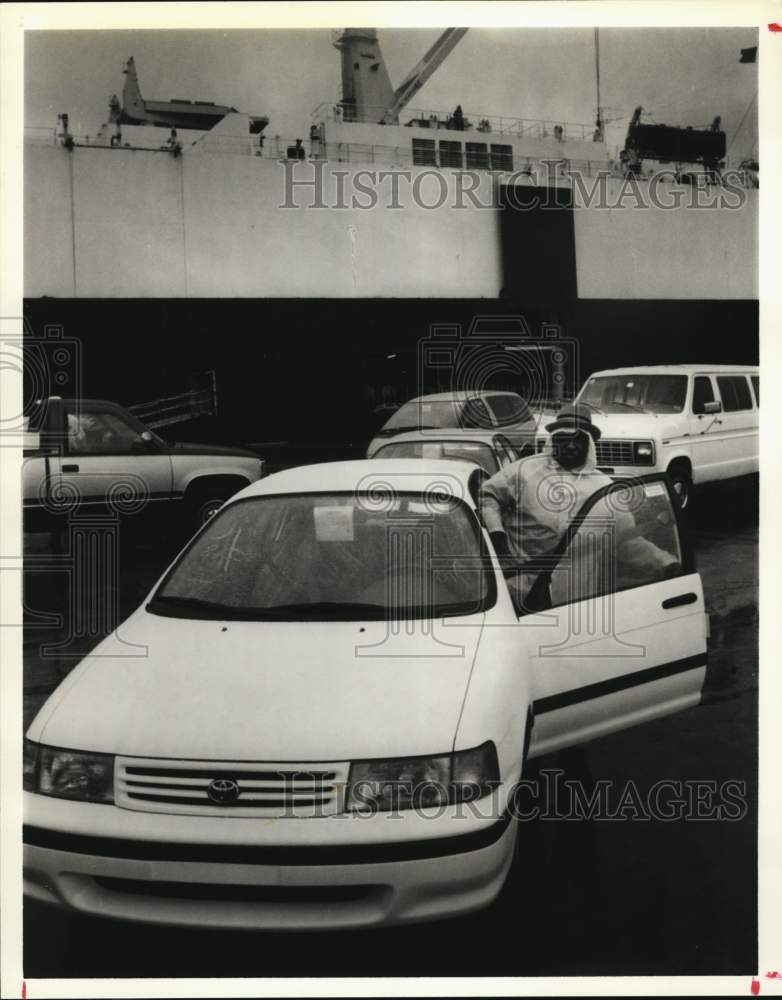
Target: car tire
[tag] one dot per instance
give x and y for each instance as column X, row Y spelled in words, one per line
column 681, row 480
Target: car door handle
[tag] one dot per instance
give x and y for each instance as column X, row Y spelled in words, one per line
column 679, row 600
column 70, row 468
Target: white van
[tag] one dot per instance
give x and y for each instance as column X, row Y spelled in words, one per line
column 698, row 423
column 318, row 717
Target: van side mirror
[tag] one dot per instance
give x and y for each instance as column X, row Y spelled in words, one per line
column 714, row 407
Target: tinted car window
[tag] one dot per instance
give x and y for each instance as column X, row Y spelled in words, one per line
column 509, row 408
column 755, row 379
column 99, row 432
column 475, row 414
column 734, row 390
column 703, row 392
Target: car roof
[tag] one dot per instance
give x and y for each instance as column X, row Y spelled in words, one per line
column 460, row 394
column 677, row 369
column 402, row 474
column 445, row 434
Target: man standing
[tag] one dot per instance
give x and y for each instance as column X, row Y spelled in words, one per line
column 528, row 505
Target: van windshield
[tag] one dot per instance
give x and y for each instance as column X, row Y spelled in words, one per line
column 642, row 393
column 332, row 556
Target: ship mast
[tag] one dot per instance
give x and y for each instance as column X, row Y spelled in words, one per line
column 599, row 125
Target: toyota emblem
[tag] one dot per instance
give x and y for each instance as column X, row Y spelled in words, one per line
column 222, row 791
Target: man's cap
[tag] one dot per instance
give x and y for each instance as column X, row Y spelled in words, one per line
column 574, row 418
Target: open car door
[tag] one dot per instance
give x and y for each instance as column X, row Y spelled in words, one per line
column 624, row 640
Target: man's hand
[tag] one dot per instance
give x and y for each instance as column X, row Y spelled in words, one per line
column 509, row 564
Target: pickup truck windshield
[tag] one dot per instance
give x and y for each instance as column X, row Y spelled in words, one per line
column 625, row 393
column 335, row 556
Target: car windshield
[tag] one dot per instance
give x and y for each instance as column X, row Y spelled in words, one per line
column 425, row 413
column 465, row 451
column 625, row 393
column 335, row 556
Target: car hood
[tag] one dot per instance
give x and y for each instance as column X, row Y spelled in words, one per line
column 295, row 691
column 189, row 448
column 630, row 426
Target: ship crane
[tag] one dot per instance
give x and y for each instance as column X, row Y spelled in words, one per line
column 367, row 93
column 420, row 73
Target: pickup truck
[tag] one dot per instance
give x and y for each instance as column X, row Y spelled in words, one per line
column 95, row 456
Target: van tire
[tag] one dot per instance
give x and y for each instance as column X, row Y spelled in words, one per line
column 681, row 478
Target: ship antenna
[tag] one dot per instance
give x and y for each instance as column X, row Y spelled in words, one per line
column 599, row 129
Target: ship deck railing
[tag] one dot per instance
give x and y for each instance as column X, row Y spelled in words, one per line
column 470, row 121
column 382, row 156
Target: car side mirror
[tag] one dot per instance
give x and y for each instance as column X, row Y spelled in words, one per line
column 714, row 407
column 145, row 442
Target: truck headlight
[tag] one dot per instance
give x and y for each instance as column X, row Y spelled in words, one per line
column 69, row 774
column 421, row 782
column 643, row 452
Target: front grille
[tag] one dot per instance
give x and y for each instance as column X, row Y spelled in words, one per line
column 615, row 453
column 242, row 788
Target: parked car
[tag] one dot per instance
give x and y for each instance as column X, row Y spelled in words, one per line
column 488, row 449
column 486, row 410
column 92, row 453
column 338, row 645
column 699, row 423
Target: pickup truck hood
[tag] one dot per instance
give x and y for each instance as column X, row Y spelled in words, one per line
column 189, row 448
column 276, row 691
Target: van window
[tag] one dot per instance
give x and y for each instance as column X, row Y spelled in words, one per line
column 702, row 393
column 755, row 379
column 734, row 390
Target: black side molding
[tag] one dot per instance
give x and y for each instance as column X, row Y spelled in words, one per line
column 614, row 684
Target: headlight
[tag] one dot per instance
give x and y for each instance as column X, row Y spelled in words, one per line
column 421, row 782
column 643, row 452
column 69, row 774
column 30, row 766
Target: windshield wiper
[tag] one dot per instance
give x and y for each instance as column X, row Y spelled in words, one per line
column 591, row 406
column 630, row 406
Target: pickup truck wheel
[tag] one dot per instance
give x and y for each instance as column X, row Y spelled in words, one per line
column 208, row 509
column 682, row 485
column 203, row 502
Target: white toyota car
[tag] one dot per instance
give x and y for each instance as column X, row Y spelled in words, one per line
column 317, row 717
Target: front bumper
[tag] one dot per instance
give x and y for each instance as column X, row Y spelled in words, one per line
column 252, row 883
